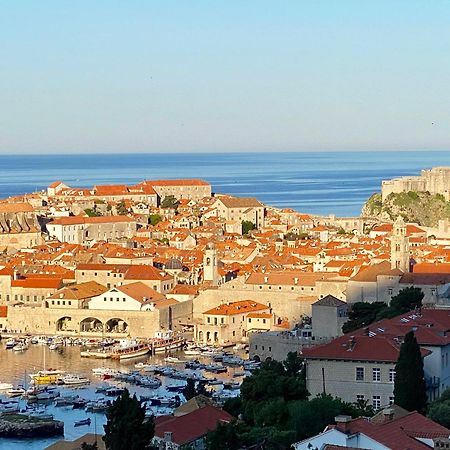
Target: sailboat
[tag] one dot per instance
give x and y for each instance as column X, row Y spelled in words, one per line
column 46, row 376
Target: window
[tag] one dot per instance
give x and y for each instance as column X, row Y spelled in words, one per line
column 391, row 400
column 391, row 375
column 209, row 319
column 249, row 320
column 390, row 291
column 360, row 397
column 376, row 402
column 359, row 373
column 376, row 374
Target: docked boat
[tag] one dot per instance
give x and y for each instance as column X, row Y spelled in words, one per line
column 47, row 376
column 15, row 392
column 20, row 347
column 10, row 343
column 9, row 407
column 165, row 341
column 41, row 415
column 75, row 380
column 5, row 386
column 96, row 354
column 130, row 349
column 82, row 422
column 173, row 360
column 42, row 394
column 193, row 352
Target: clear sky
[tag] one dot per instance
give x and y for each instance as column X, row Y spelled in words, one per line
column 132, row 76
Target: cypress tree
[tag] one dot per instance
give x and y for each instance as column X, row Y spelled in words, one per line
column 127, row 428
column 409, row 385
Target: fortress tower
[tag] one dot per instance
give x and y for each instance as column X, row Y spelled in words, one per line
column 399, row 246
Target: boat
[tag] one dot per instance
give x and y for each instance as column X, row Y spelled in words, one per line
column 75, row 380
column 9, row 407
column 55, row 346
column 192, row 352
column 47, row 376
column 173, row 360
column 165, row 341
column 20, row 347
column 82, row 422
column 150, row 382
column 130, row 349
column 15, row 392
column 96, row 354
column 114, row 391
column 39, row 393
column 79, row 403
column 5, row 386
column 40, row 415
column 10, row 343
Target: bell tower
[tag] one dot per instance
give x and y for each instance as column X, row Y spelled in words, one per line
column 399, row 246
column 210, row 265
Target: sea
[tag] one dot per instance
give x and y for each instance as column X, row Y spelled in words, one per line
column 312, row 182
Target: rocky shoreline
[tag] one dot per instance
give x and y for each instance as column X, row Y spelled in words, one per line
column 20, row 426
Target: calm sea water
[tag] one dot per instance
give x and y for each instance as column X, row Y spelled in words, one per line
column 315, row 182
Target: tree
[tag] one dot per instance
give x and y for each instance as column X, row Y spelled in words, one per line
column 409, row 385
column 92, row 212
column 407, row 299
column 170, row 202
column 247, row 226
column 189, row 390
column 293, row 364
column 439, row 410
column 362, row 314
column 86, row 446
column 127, row 428
column 154, row 219
column 121, row 208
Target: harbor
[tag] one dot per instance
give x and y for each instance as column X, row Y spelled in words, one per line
column 50, row 379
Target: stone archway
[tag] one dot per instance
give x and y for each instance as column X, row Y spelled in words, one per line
column 116, row 325
column 64, row 324
column 91, row 325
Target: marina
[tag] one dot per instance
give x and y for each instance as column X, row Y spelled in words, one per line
column 78, row 390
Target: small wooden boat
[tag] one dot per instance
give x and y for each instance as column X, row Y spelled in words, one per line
column 82, row 422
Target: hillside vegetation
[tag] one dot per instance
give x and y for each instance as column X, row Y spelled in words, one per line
column 419, row 207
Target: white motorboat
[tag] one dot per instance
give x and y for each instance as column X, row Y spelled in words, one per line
column 15, row 392
column 75, row 380
column 20, row 347
column 5, row 386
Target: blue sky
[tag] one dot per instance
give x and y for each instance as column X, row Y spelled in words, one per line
column 132, row 76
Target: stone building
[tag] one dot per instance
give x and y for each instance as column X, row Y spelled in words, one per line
column 190, row 189
column 240, row 209
column 328, row 316
column 435, row 181
column 229, row 322
column 19, row 227
column 85, row 230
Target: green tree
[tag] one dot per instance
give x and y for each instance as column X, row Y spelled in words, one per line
column 409, row 385
column 362, row 314
column 170, row 202
column 92, row 212
column 439, row 410
column 247, row 226
column 127, row 428
column 189, row 390
column 407, row 299
column 293, row 364
column 121, row 208
column 86, row 446
column 154, row 219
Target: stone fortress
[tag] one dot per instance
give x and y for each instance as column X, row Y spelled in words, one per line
column 435, row 181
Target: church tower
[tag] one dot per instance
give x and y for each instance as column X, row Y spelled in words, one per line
column 399, row 246
column 210, row 265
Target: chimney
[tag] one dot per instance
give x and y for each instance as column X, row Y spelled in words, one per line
column 295, row 280
column 61, row 295
column 167, row 436
column 388, row 414
column 343, row 423
column 266, row 279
